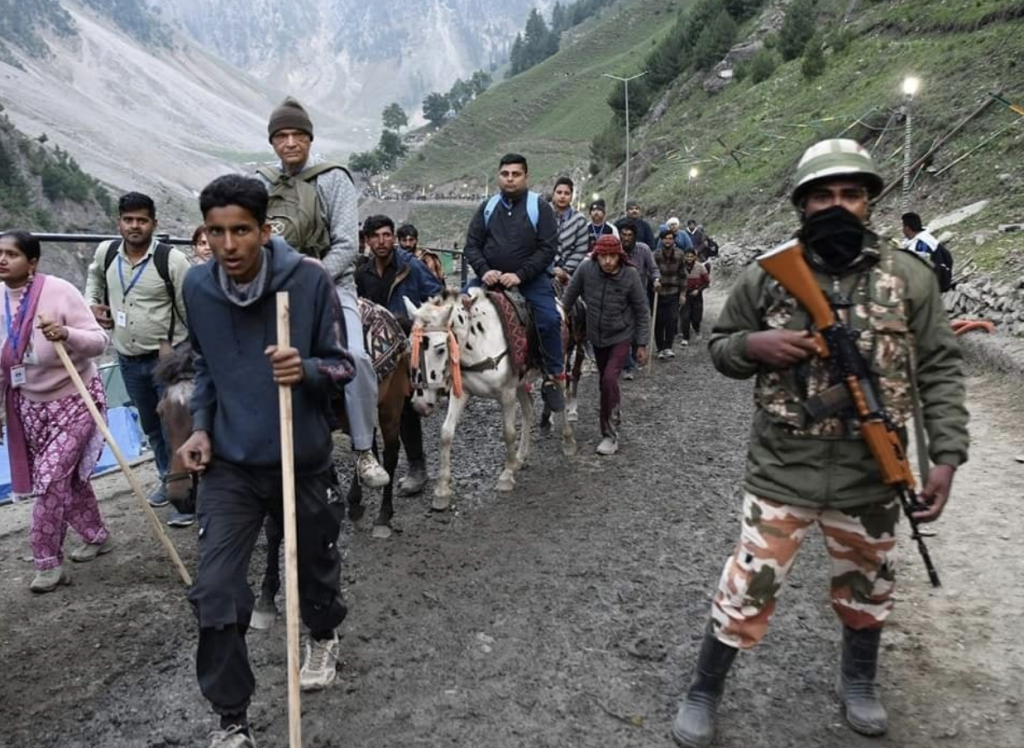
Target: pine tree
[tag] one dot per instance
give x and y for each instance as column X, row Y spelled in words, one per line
column 714, row 41
column 516, row 56
column 797, row 28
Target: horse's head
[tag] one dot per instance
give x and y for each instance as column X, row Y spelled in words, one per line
column 433, row 351
column 176, row 373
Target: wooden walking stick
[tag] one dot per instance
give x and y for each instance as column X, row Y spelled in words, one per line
column 650, row 344
column 291, row 556
column 101, row 424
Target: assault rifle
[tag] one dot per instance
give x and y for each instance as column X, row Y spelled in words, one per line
column 836, row 342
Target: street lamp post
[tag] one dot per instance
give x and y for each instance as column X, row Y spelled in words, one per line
column 625, row 81
column 910, row 86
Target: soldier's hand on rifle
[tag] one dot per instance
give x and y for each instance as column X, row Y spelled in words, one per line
column 195, row 453
column 286, row 363
column 935, row 492
column 780, row 349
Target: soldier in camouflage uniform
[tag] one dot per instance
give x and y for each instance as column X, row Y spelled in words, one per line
column 802, row 472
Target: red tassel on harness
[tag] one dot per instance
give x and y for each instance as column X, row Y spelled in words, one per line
column 454, row 363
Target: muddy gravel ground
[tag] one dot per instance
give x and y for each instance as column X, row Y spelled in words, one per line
column 567, row 613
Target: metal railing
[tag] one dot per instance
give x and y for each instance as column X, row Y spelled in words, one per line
column 186, row 242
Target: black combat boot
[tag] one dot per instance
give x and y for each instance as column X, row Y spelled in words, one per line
column 694, row 726
column 856, row 686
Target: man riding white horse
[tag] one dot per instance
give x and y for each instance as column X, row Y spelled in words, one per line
column 511, row 243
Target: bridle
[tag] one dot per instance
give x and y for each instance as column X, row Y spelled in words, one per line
column 418, row 358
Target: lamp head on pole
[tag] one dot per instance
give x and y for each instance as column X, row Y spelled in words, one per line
column 910, row 86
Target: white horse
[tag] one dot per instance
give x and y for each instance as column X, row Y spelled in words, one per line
column 459, row 347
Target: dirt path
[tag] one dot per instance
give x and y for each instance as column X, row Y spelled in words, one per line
column 565, row 614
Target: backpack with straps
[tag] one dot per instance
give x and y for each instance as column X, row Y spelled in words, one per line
column 162, row 261
column 294, row 210
column 532, row 208
column 942, row 259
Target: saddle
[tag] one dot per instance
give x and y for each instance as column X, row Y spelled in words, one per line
column 383, row 337
column 517, row 324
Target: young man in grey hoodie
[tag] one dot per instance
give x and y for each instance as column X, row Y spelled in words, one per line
column 236, row 445
column 331, row 237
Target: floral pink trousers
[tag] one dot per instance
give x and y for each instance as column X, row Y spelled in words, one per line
column 64, row 446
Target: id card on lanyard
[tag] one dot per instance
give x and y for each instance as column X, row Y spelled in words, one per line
column 14, row 323
column 121, row 318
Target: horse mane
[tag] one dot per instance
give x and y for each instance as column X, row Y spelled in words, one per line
column 176, row 367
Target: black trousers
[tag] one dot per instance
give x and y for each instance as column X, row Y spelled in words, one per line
column 666, row 325
column 233, row 501
column 691, row 314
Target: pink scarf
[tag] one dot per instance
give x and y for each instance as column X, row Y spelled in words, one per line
column 17, row 449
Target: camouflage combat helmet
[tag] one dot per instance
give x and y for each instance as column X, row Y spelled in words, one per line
column 836, row 158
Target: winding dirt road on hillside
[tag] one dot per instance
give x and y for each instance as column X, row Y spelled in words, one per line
column 565, row 614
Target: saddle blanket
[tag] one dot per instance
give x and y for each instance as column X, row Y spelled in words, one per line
column 519, row 332
column 383, row 337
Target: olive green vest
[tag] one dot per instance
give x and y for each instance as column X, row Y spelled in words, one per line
column 878, row 314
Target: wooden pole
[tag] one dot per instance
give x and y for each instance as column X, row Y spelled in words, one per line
column 101, row 424
column 291, row 556
column 650, row 343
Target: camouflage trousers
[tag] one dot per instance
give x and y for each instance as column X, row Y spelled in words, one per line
column 861, row 544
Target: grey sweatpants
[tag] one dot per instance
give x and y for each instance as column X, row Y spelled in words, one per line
column 361, row 392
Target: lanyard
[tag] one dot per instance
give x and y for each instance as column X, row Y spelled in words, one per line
column 135, row 275
column 14, row 325
column 508, row 205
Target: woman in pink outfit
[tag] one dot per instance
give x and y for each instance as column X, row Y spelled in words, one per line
column 52, row 440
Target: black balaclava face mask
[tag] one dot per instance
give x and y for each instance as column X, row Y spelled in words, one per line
column 835, row 235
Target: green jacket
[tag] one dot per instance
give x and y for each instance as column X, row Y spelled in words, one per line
column 898, row 308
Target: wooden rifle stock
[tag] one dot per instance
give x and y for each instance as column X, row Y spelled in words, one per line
column 787, row 265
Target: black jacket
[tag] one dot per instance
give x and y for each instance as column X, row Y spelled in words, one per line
column 509, row 243
column 616, row 304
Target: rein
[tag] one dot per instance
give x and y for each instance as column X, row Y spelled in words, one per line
column 454, row 356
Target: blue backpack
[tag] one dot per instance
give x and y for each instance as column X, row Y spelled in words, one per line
column 532, row 208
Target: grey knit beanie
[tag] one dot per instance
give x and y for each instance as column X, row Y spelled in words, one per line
column 290, row 114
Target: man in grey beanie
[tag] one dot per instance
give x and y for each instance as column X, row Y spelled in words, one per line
column 313, row 207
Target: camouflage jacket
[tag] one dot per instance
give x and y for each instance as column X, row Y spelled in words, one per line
column 892, row 299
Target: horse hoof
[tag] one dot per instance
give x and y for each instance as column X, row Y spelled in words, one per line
column 572, row 416
column 569, row 449
column 506, row 485
column 381, row 532
column 264, row 616
column 441, row 503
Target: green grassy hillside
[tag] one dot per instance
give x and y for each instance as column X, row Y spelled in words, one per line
column 961, row 50
column 551, row 112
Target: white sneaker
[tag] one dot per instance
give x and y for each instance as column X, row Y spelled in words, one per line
column 669, row 353
column 684, row 343
column 233, row 737
column 629, row 375
column 661, row 355
column 319, row 665
column 371, row 474
column 608, row 446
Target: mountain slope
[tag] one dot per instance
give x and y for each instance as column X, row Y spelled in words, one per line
column 354, row 57
column 551, row 112
column 162, row 118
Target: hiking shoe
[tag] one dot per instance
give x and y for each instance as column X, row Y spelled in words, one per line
column 371, row 474
column 158, row 497
column 235, row 736
column 88, row 551
column 181, row 519
column 629, row 375
column 415, row 479
column 552, row 395
column 608, row 446
column 49, row 580
column 319, row 665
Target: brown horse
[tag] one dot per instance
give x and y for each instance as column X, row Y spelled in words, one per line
column 574, row 350
column 176, row 373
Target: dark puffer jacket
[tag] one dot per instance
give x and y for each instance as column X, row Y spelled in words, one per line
column 616, row 304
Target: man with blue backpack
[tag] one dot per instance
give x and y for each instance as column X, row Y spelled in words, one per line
column 511, row 242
